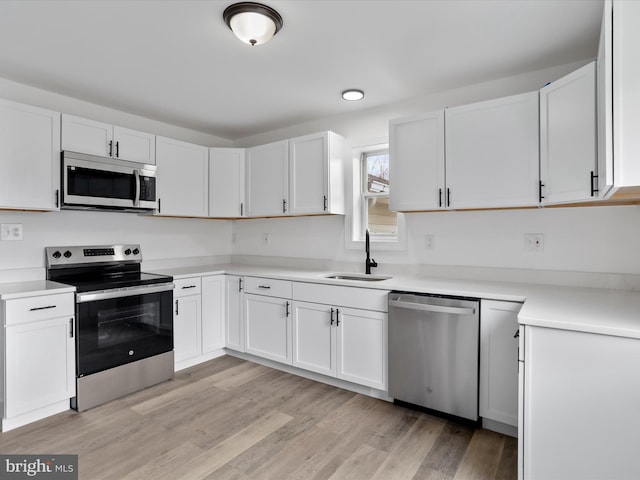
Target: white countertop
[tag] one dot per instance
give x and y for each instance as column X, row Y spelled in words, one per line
column 609, row 312
column 33, row 288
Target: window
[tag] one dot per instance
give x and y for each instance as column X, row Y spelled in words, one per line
column 376, row 216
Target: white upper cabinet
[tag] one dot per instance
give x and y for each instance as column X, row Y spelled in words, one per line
column 604, row 84
column 106, row 140
column 492, row 153
column 316, row 184
column 626, row 94
column 226, row 182
column 183, row 178
column 267, row 180
column 29, row 157
column 568, row 143
column 416, row 167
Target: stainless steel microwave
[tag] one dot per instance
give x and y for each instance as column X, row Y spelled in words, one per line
column 91, row 182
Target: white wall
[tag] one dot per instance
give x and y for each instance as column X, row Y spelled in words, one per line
column 594, row 239
column 161, row 238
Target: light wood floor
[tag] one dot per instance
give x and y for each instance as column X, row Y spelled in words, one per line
column 232, row 419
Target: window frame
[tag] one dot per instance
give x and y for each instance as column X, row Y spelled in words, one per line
column 364, row 192
column 355, row 219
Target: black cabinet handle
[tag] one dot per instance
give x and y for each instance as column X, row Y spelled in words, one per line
column 594, row 189
column 337, row 317
column 188, row 286
column 34, row 309
column 439, row 197
column 117, row 149
column 57, row 198
column 240, row 284
column 177, row 307
column 284, row 206
column 540, row 196
column 71, row 328
column 265, row 287
column 159, row 207
column 448, row 197
column 287, row 309
column 325, row 203
column 332, row 310
column 111, row 148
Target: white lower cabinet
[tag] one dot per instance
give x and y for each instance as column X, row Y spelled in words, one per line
column 213, row 313
column 199, row 319
column 187, row 320
column 580, row 397
column 499, row 361
column 39, row 358
column 234, row 318
column 337, row 340
column 268, row 327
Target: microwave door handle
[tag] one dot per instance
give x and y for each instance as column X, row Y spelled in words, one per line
column 136, row 200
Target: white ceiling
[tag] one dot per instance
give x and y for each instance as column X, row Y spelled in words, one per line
column 177, row 62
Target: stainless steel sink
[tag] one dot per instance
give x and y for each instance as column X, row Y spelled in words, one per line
column 360, row 277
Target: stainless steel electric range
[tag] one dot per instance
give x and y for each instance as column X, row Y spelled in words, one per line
column 123, row 324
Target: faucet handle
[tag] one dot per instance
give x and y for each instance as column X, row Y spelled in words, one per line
column 373, row 263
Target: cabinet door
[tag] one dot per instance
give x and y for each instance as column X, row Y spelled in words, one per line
column 268, row 327
column 416, row 168
column 604, row 85
column 87, row 136
column 499, row 361
column 362, row 347
column 187, row 328
column 40, row 365
column 226, row 182
column 267, row 182
column 492, row 158
column 183, row 178
column 309, row 174
column 29, row 157
column 213, row 313
column 581, row 397
column 314, row 337
column 234, row 321
column 568, row 131
column 134, row 146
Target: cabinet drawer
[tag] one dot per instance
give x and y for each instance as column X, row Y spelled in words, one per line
column 25, row 310
column 354, row 297
column 267, row 287
column 187, row 286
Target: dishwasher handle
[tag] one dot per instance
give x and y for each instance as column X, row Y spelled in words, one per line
column 432, row 308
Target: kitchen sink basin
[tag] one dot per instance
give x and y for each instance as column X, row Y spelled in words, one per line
column 360, row 277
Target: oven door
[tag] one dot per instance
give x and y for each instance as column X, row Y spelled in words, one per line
column 119, row 327
column 90, row 181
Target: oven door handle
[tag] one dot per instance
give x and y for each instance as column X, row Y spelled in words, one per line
column 124, row 292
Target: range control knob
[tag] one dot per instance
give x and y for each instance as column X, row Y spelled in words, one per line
column 67, row 254
column 136, row 251
column 127, row 251
column 56, row 254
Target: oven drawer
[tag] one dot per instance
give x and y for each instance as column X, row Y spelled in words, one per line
column 187, row 286
column 268, row 287
column 33, row 309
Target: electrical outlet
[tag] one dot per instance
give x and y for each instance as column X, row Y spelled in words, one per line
column 534, row 242
column 11, row 231
column 428, row 242
column 265, row 238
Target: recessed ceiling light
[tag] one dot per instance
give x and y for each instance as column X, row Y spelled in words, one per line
column 253, row 23
column 352, row 94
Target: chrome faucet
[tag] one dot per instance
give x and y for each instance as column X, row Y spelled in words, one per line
column 369, row 262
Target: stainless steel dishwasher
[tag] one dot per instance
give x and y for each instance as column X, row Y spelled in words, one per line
column 433, row 352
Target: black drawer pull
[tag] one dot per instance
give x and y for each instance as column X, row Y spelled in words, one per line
column 188, row 286
column 266, row 287
column 42, row 308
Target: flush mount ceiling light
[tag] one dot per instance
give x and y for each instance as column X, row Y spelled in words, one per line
column 253, row 23
column 353, row 95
